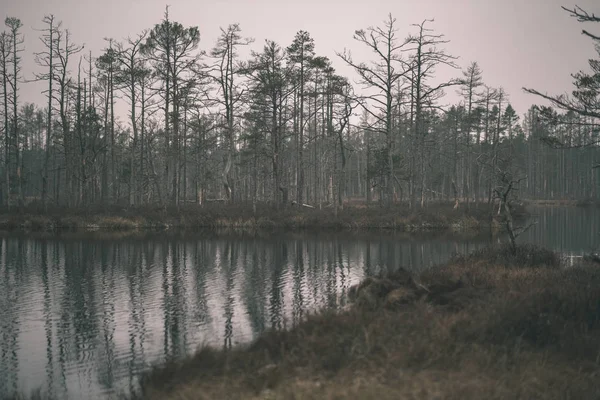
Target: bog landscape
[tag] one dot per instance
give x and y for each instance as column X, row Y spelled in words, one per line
column 268, row 218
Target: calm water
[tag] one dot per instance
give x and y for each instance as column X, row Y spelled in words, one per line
column 82, row 315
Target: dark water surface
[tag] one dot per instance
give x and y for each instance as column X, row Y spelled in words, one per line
column 81, row 315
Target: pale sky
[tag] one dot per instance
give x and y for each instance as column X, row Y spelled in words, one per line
column 532, row 43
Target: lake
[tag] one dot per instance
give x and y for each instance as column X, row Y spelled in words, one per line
column 82, row 314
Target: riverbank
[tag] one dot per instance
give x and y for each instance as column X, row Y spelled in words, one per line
column 399, row 217
column 489, row 325
column 562, row 203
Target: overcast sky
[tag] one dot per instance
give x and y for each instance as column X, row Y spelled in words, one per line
column 517, row 43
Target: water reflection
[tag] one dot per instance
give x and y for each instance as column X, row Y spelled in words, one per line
column 569, row 230
column 82, row 316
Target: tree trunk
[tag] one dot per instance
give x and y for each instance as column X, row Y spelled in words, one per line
column 49, row 116
column 4, row 55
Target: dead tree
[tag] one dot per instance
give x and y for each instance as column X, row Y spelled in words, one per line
column 505, row 192
column 46, row 60
column 16, row 41
column 224, row 71
column 381, row 76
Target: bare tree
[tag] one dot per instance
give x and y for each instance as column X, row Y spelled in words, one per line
column 4, row 56
column 381, row 77
column 348, row 104
column 45, row 59
column 129, row 77
column 425, row 58
column 65, row 50
column 224, row 71
column 16, row 40
column 505, row 192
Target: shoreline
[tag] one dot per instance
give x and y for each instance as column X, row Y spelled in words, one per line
column 237, row 234
column 437, row 217
column 562, row 203
column 486, row 325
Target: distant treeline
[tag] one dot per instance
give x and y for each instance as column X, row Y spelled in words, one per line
column 280, row 126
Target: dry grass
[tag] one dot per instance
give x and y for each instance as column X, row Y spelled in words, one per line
column 563, row 203
column 400, row 217
column 555, row 202
column 486, row 326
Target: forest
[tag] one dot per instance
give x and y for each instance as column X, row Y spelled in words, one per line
column 183, row 218
column 204, row 124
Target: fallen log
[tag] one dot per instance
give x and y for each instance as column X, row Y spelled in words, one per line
column 294, row 203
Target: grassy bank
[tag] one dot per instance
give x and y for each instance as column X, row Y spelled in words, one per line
column 399, row 217
column 562, row 203
column 486, row 326
column 139, row 235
